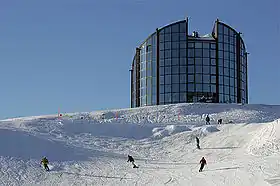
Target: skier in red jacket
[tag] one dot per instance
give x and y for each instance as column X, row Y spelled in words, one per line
column 202, row 163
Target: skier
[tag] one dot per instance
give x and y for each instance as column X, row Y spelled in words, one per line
column 202, row 163
column 207, row 120
column 130, row 159
column 45, row 162
column 197, row 142
column 220, row 121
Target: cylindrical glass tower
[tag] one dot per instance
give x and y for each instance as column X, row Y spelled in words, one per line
column 172, row 66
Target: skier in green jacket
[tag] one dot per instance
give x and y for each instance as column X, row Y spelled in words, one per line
column 45, row 162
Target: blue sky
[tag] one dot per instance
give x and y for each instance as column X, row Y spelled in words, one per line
column 76, row 54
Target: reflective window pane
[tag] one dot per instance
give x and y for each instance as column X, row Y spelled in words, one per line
column 175, row 37
column 206, row 53
column 167, row 37
column 190, row 45
column 183, row 87
column 175, row 69
column 190, row 87
column 167, row 62
column 183, row 27
column 167, row 79
column 206, row 78
column 213, row 70
column 161, row 71
column 206, row 69
column 226, row 80
column 190, row 61
column 198, row 45
column 167, row 45
column 183, row 44
column 183, row 78
column 183, row 69
column 175, row 79
column 161, row 54
column 198, row 52
column 213, row 62
column 198, row 69
column 213, row 88
column 175, row 53
column 190, row 52
column 213, row 79
column 221, row 89
column 167, row 54
column 161, row 38
column 167, row 88
column 161, row 89
column 183, row 53
column 198, row 78
column 190, row 78
column 198, row 61
column 175, row 97
column 213, row 53
column 175, row 45
column 183, row 36
column 221, row 80
column 167, row 70
column 183, row 61
column 206, row 61
column 175, row 87
column 175, row 28
column 206, row 87
column 183, row 97
column 206, row 45
column 167, row 29
column 221, row 54
column 167, row 98
column 226, row 71
column 198, row 87
column 175, row 62
column 190, row 69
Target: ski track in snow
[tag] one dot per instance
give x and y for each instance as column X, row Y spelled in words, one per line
column 93, row 150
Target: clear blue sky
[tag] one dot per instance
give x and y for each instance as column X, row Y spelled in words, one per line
column 75, row 54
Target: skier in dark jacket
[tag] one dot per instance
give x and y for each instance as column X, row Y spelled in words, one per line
column 197, row 142
column 207, row 120
column 130, row 159
column 202, row 163
column 45, row 162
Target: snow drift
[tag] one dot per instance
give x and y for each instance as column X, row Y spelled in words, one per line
column 91, row 148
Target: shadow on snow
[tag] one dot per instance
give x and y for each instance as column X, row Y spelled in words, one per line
column 90, row 175
column 226, row 168
column 220, row 148
column 25, row 146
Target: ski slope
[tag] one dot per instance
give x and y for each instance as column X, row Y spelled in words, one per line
column 91, row 148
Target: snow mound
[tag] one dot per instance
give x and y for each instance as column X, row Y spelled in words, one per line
column 169, row 130
column 205, row 130
column 210, row 129
column 266, row 140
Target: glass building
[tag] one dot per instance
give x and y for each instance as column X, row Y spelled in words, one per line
column 172, row 66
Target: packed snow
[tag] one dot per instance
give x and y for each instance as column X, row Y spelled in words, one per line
column 91, row 148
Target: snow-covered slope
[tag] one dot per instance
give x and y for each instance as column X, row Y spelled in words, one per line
column 91, row 148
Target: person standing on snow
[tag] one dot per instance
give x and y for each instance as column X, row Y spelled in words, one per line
column 207, row 119
column 130, row 159
column 197, row 142
column 45, row 162
column 202, row 163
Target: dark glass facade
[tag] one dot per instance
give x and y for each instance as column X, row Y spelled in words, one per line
column 172, row 66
